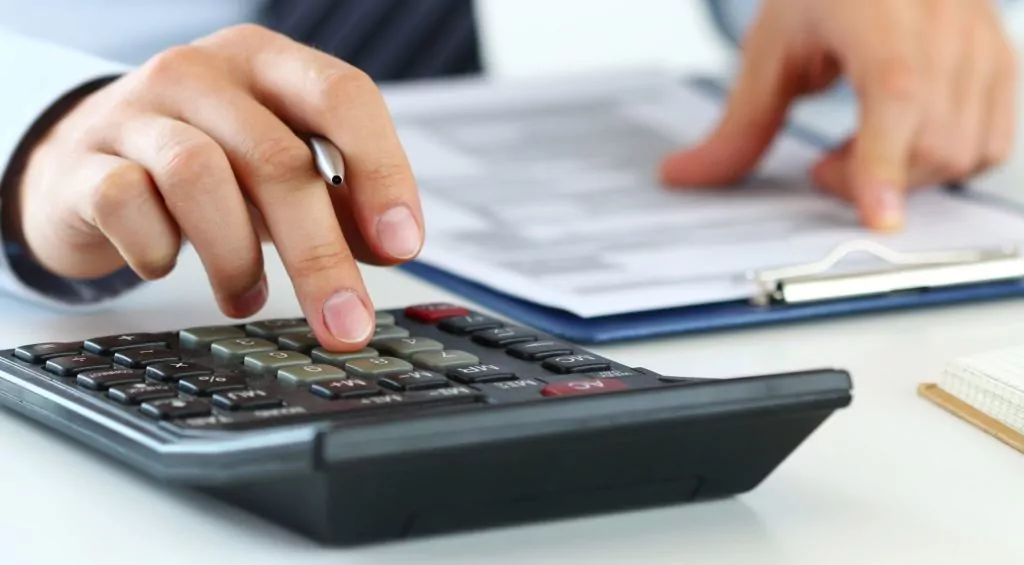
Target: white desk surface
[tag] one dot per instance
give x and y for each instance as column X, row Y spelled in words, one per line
column 891, row 479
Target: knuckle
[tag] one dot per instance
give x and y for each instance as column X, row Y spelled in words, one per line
column 169, row 67
column 158, row 260
column 898, row 79
column 247, row 33
column 277, row 160
column 122, row 189
column 345, row 83
column 321, row 259
column 187, row 158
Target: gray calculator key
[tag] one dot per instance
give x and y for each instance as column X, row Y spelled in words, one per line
column 376, row 367
column 406, row 347
column 273, row 329
column 441, row 361
column 269, row 363
column 303, row 343
column 234, row 350
column 385, row 319
column 202, row 338
column 304, row 374
column 321, row 355
column 386, row 331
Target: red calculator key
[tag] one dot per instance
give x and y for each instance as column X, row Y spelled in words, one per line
column 583, row 386
column 431, row 313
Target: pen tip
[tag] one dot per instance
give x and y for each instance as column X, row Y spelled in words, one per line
column 336, row 179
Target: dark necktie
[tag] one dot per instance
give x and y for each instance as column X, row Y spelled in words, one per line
column 390, row 40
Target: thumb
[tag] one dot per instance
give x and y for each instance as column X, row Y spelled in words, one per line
column 755, row 111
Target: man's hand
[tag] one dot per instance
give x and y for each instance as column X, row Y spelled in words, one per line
column 935, row 80
column 199, row 144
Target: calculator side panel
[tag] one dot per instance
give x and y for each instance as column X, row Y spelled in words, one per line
column 576, row 471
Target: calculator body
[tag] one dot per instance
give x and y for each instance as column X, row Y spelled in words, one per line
column 521, row 440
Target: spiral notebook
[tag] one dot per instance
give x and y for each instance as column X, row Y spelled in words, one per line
column 987, row 391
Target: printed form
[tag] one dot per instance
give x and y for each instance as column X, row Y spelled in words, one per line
column 551, row 194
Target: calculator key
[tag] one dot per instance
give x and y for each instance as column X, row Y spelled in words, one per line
column 104, row 379
column 504, row 337
column 576, row 363
column 270, row 362
column 441, row 361
column 142, row 358
column 208, row 384
column 303, row 343
column 40, row 352
column 175, row 408
column 481, row 374
column 245, row 399
column 138, row 393
column 385, row 319
column 386, row 331
column 376, row 367
column 414, row 380
column 174, row 371
column 432, row 313
column 273, row 329
column 406, row 347
column 512, row 391
column 611, row 374
column 345, row 388
column 538, row 350
column 234, row 350
column 305, row 374
column 202, row 338
column 113, row 343
column 456, row 394
column 72, row 365
column 583, row 386
column 321, row 355
column 465, row 325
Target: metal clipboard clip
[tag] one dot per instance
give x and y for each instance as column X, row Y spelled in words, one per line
column 904, row 272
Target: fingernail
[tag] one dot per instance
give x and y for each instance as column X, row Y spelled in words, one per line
column 346, row 317
column 886, row 205
column 254, row 298
column 399, row 233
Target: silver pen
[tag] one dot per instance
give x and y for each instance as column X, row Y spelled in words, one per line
column 328, row 160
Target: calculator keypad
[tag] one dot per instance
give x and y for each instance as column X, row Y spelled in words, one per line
column 273, row 372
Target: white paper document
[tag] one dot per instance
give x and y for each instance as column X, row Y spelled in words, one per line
column 551, row 194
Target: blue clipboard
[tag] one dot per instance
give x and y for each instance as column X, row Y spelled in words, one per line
column 715, row 316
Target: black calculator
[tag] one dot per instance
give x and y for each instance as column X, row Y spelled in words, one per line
column 449, row 421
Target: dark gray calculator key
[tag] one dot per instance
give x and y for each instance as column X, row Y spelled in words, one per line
column 414, row 380
column 142, row 358
column 612, row 374
column 504, row 337
column 269, row 363
column 245, row 399
column 273, row 329
column 321, row 355
column 203, row 337
column 465, row 325
column 377, row 367
column 113, row 343
column 234, row 350
column 307, row 374
column 209, row 384
column 40, row 352
column 104, row 379
column 481, row 373
column 406, row 347
column 385, row 319
column 72, row 365
column 576, row 363
column 441, row 361
column 538, row 350
column 138, row 393
column 174, row 371
column 345, row 388
column 175, row 408
column 303, row 343
column 517, row 390
column 385, row 331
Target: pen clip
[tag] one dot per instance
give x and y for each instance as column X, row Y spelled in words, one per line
column 816, row 281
